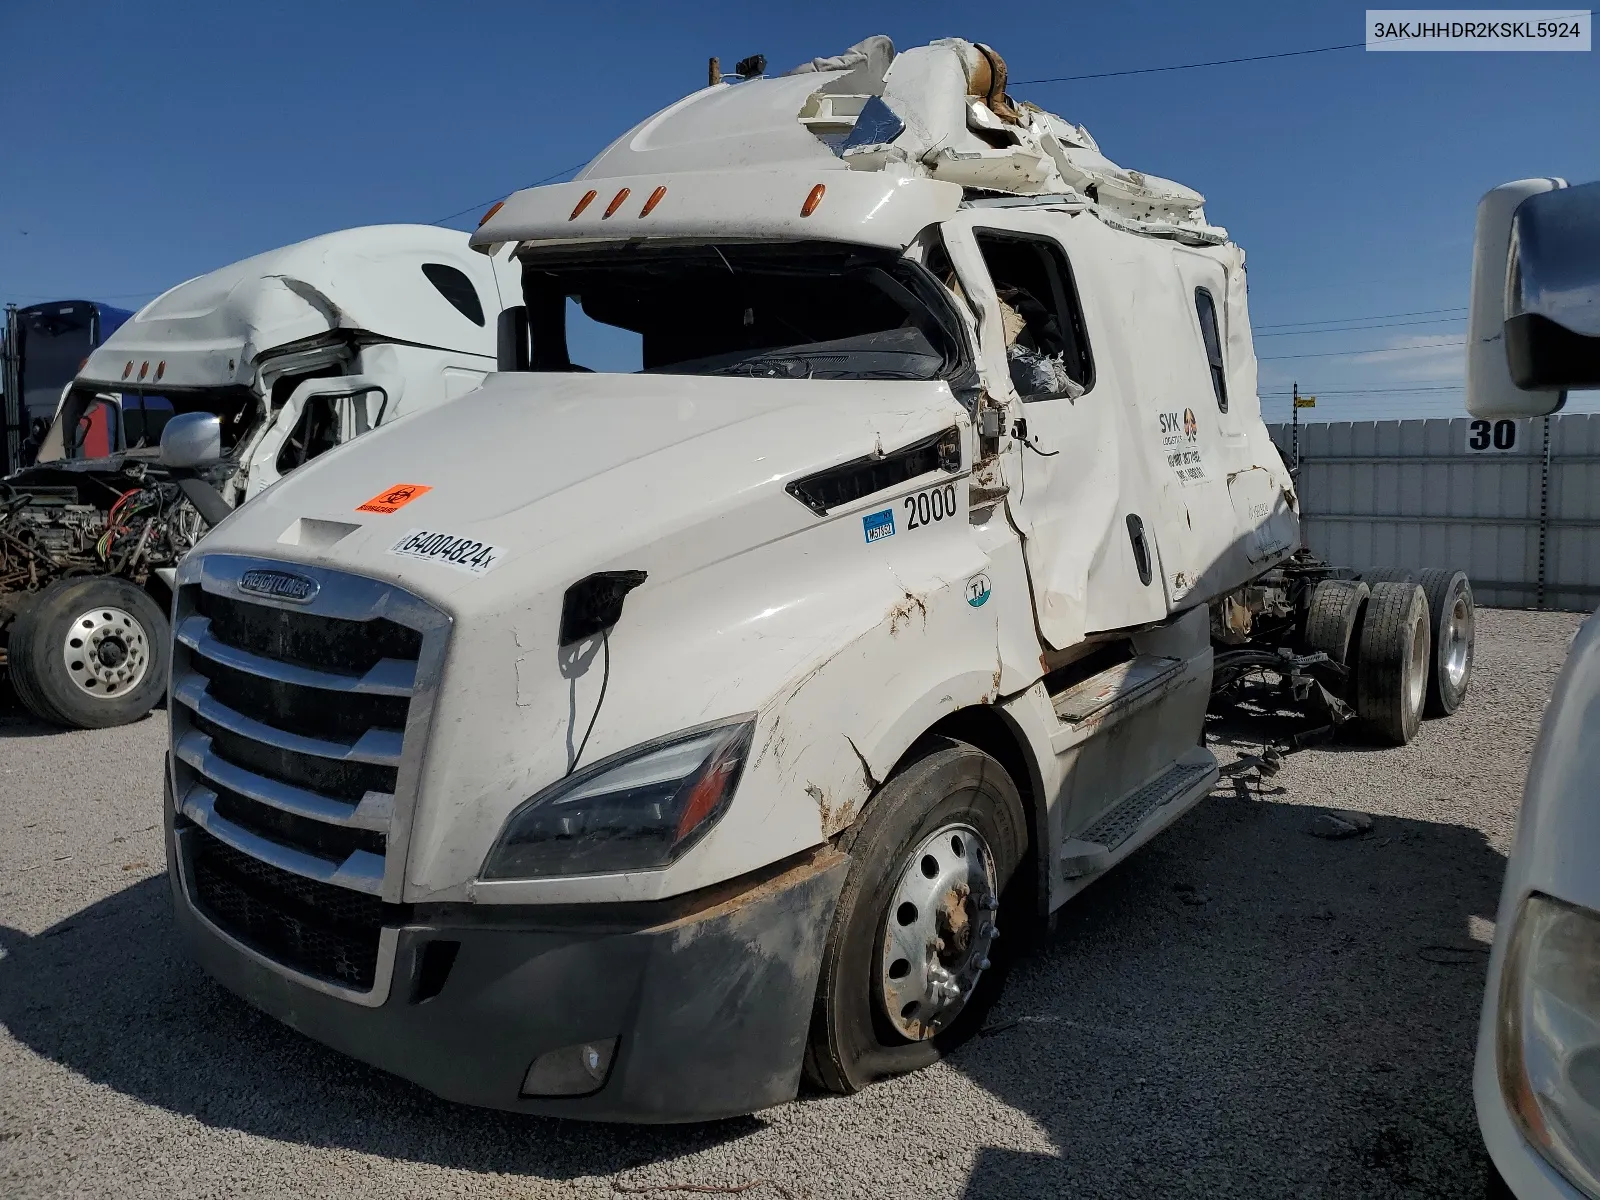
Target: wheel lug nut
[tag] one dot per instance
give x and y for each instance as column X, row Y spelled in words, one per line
column 983, row 964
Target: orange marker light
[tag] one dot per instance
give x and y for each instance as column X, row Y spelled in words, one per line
column 128, row 370
column 144, row 369
column 655, row 199
column 616, row 203
column 493, row 208
column 582, row 204
column 161, row 368
column 814, row 199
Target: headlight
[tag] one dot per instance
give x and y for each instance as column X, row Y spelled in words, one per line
column 1548, row 1039
column 631, row 812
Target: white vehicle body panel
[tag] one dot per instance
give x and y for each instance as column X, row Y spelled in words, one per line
column 1556, row 847
column 349, row 303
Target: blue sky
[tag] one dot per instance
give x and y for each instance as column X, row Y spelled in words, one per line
column 150, row 142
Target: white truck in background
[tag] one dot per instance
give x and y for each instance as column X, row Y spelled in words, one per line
column 295, row 351
column 627, row 746
column 1534, row 333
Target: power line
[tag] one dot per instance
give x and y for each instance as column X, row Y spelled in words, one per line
column 1354, row 353
column 1381, row 391
column 1218, row 62
column 502, row 196
column 1419, row 312
column 1357, row 328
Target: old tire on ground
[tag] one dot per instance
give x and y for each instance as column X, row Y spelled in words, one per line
column 906, row 971
column 1333, row 616
column 1452, row 621
column 1392, row 662
column 90, row 653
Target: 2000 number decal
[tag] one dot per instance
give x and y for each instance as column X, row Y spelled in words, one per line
column 935, row 504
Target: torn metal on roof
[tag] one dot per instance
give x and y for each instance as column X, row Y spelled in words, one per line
column 742, row 157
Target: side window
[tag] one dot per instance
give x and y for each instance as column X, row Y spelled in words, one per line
column 316, row 432
column 453, row 284
column 1206, row 307
column 1047, row 344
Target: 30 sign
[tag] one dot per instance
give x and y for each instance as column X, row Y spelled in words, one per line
column 1492, row 436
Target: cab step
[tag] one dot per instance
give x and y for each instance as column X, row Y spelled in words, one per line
column 1143, row 811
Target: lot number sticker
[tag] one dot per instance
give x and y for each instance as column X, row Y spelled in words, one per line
column 464, row 554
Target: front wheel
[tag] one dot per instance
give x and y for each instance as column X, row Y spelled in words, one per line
column 907, row 970
column 90, row 653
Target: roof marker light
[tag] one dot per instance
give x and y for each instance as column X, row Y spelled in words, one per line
column 655, row 199
column 814, row 199
column 582, row 204
column 161, row 368
column 616, row 203
column 144, row 369
column 128, row 370
column 493, row 208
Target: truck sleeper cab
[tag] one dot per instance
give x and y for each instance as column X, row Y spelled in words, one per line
column 296, row 351
column 865, row 621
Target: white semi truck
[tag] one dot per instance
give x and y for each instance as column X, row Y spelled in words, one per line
column 1534, row 333
column 627, row 745
column 295, row 351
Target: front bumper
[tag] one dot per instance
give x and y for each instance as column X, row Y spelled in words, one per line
column 711, row 1005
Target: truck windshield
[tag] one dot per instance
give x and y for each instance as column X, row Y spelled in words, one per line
column 95, row 423
column 794, row 311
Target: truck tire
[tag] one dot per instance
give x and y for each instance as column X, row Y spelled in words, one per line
column 90, row 653
column 1392, row 662
column 1333, row 617
column 906, row 971
column 1374, row 575
column 1452, row 621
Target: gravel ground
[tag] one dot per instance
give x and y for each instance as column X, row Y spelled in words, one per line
column 1239, row 1010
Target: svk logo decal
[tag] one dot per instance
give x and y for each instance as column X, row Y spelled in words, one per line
column 280, row 585
column 978, row 590
column 1190, row 425
column 878, row 525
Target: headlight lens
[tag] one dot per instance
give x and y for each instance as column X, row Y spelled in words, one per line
column 1548, row 1040
column 634, row 811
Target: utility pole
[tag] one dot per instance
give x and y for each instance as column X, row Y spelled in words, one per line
column 1294, row 424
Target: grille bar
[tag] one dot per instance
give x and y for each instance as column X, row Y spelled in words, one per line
column 388, row 677
column 361, row 872
column 241, row 900
column 380, row 746
column 373, row 811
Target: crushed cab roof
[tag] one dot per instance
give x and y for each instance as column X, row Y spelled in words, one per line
column 739, row 157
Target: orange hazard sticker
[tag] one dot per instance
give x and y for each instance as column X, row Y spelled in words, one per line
column 393, row 499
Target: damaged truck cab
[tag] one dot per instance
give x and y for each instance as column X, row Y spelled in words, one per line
column 295, row 351
column 627, row 745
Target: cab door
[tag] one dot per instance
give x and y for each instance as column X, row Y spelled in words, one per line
column 1077, row 489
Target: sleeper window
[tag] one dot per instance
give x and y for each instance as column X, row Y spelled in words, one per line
column 1047, row 346
column 1206, row 307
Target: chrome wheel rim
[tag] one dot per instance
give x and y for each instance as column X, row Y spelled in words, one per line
column 1416, row 683
column 938, row 931
column 1457, row 649
column 106, row 652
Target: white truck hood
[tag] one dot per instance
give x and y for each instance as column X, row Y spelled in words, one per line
column 211, row 330
column 562, row 475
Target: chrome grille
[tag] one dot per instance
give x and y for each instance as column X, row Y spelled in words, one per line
column 296, row 736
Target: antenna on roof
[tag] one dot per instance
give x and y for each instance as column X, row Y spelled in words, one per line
column 714, row 72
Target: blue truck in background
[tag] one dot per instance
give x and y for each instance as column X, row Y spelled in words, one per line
column 43, row 348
